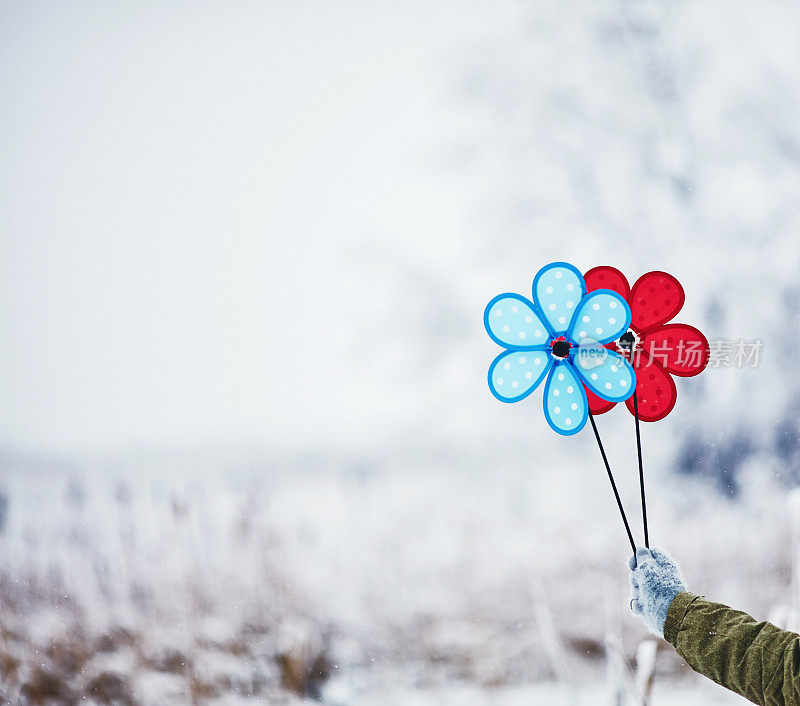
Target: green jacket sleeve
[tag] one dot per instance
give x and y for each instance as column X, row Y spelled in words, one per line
column 757, row 660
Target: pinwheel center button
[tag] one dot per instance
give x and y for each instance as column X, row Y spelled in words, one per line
column 627, row 340
column 561, row 349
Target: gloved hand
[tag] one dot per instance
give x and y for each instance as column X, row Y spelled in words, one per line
column 655, row 581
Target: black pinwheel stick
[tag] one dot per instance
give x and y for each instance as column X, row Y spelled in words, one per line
column 613, row 484
column 641, row 472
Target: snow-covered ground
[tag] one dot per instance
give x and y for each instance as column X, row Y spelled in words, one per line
column 398, row 580
column 247, row 440
column 595, row 694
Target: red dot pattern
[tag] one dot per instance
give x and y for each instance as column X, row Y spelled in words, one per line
column 606, row 277
column 655, row 390
column 679, row 348
column 655, row 298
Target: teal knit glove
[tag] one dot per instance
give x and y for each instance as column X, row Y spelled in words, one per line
column 655, row 580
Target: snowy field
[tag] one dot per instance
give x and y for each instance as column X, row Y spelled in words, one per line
column 586, row 695
column 247, row 450
column 387, row 580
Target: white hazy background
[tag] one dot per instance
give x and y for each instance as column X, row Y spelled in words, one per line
column 225, row 220
column 246, row 249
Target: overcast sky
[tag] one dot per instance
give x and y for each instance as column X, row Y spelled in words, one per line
column 280, row 222
column 191, row 195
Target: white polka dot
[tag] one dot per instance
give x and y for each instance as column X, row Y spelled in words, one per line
column 499, row 381
column 506, row 329
column 570, row 304
column 499, row 312
column 558, row 275
column 556, row 393
column 614, row 368
column 585, row 319
column 522, row 334
column 623, row 383
column 557, row 410
column 515, row 384
column 529, row 375
column 574, row 406
column 537, row 361
column 598, row 330
column 537, row 332
column 608, row 386
column 595, row 306
column 552, row 307
column 582, row 334
column 528, row 319
column 549, row 290
column 522, row 361
column 506, row 365
column 567, row 421
column 562, row 319
column 514, row 309
column 613, row 304
column 570, row 287
column 570, row 389
column 612, row 321
column 594, row 376
column 561, row 376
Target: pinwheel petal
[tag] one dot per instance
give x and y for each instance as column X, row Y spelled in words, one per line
column 601, row 316
column 606, row 277
column 557, row 290
column 655, row 390
column 513, row 375
column 656, row 297
column 597, row 405
column 678, row 348
column 565, row 406
column 512, row 322
column 605, row 372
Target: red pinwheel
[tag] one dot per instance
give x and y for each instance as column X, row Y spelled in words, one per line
column 656, row 349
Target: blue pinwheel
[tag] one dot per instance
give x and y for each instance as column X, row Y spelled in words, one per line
column 560, row 335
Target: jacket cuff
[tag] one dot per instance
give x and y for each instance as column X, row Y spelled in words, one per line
column 675, row 613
